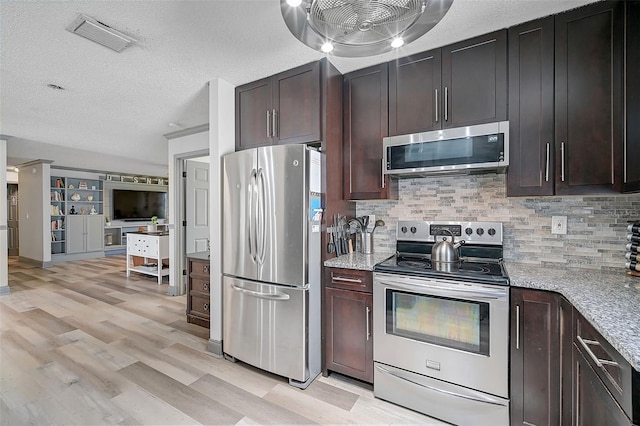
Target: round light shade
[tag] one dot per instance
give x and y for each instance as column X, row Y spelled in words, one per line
column 361, row 27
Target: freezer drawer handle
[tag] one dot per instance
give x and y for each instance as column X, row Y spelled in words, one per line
column 268, row 296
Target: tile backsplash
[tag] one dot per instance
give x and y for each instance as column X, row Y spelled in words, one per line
column 596, row 234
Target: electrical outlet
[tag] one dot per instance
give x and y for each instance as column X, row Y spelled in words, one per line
column 558, row 224
column 372, row 221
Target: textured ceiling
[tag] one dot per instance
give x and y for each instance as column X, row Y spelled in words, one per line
column 120, row 104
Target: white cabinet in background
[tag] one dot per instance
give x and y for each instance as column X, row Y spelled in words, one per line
column 153, row 247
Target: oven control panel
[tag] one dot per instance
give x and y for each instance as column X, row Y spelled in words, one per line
column 470, row 232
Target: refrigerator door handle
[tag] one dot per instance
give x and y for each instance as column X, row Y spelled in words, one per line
column 251, row 234
column 260, row 295
column 261, row 217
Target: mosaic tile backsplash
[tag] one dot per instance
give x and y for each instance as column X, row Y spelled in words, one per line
column 596, row 226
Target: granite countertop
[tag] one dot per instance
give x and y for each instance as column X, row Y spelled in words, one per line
column 610, row 301
column 364, row 262
column 201, row 255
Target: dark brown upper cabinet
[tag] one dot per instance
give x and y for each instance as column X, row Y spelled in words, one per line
column 589, row 92
column 365, row 124
column 457, row 85
column 531, row 121
column 631, row 153
column 281, row 109
column 566, row 103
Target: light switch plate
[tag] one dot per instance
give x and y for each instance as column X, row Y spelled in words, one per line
column 558, row 224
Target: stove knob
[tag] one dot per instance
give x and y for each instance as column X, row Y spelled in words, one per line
column 479, row 231
column 403, row 229
column 468, row 231
column 413, row 230
column 492, row 232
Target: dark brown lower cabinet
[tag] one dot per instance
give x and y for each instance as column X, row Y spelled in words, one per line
column 593, row 404
column 348, row 310
column 535, row 357
column 198, row 291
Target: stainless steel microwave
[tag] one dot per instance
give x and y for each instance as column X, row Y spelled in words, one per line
column 471, row 149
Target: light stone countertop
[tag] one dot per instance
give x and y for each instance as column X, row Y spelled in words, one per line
column 364, row 262
column 610, row 301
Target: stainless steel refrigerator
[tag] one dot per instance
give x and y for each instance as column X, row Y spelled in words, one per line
column 271, row 260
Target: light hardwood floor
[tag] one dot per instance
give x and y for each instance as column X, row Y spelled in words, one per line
column 81, row 344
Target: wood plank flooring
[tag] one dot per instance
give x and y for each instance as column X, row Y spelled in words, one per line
column 82, row 344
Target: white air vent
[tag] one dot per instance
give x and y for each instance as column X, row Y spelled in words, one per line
column 100, row 33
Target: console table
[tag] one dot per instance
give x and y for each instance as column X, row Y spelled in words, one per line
column 150, row 246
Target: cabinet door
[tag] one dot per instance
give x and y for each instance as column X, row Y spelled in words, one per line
column 76, row 234
column 588, row 98
column 253, row 114
column 632, row 141
column 535, row 361
column 296, row 104
column 593, row 404
column 95, row 232
column 531, row 144
column 348, row 333
column 474, row 79
column 365, row 124
column 415, row 96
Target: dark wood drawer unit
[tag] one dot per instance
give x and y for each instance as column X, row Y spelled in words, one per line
column 606, row 386
column 198, row 289
column 348, row 316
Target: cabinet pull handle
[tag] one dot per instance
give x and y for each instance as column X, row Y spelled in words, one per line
column 205, row 268
column 205, row 286
column 599, row 362
column 446, row 103
column 348, row 280
column 546, row 172
column 274, row 124
column 205, row 307
column 518, row 327
column 562, row 154
column 368, row 324
column 436, row 90
column 268, row 124
column 382, row 175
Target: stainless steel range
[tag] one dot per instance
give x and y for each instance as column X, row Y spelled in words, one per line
column 441, row 334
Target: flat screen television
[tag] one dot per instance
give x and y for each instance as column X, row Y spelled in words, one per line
column 138, row 205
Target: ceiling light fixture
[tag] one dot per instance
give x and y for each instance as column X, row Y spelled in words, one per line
column 358, row 28
column 100, row 33
column 326, row 47
column 397, row 42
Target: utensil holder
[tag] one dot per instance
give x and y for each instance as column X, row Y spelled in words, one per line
column 366, row 242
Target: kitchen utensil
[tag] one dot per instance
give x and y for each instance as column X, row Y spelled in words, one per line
column 379, row 222
column 366, row 242
column 331, row 247
column 444, row 253
column 365, row 223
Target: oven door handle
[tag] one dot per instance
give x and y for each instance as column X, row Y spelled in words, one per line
column 413, row 285
column 485, row 400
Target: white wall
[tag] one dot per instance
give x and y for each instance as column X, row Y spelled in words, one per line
column 4, row 275
column 221, row 142
column 35, row 234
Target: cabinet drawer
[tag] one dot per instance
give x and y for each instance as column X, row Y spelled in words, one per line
column 200, row 305
column 200, row 285
column 351, row 279
column 199, row 267
column 613, row 370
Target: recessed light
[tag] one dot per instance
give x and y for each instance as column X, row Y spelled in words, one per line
column 327, row 47
column 54, row 86
column 15, row 169
column 397, row 42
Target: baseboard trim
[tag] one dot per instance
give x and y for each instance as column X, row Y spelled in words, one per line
column 4, row 290
column 173, row 291
column 215, row 348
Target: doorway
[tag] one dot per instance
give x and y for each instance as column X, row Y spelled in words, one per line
column 13, row 228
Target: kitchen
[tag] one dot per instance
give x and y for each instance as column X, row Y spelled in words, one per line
column 596, row 224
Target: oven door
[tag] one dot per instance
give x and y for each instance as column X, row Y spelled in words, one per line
column 447, row 330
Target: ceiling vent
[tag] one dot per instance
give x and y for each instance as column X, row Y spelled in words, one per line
column 100, row 33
